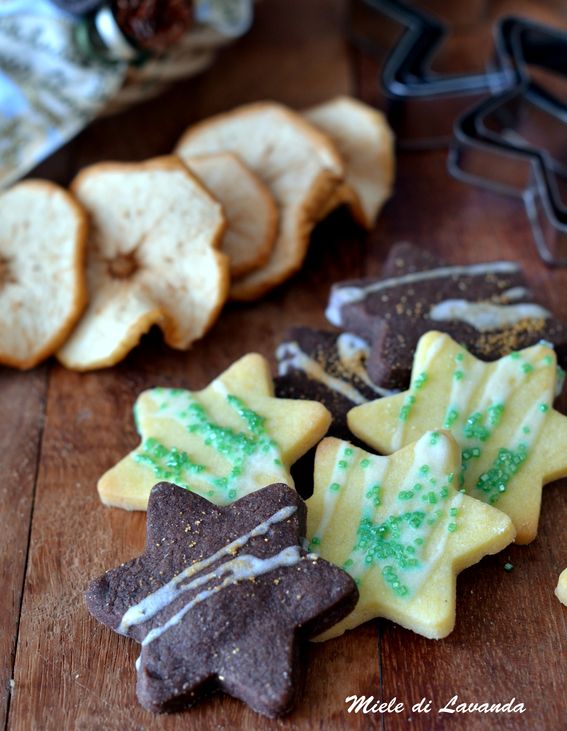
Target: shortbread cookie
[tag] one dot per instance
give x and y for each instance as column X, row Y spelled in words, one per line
column 249, row 208
column 401, row 528
column 366, row 144
column 152, row 258
column 223, row 442
column 328, row 368
column 300, row 165
column 220, row 599
column 43, row 233
column 561, row 590
column 500, row 413
column 488, row 307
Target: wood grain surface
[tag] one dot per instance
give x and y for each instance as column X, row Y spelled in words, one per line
column 60, row 430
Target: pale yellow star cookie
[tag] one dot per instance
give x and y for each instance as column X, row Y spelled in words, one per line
column 400, row 527
column 500, row 413
column 561, row 590
column 223, row 442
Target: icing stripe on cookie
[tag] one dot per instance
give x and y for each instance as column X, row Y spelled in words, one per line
column 153, row 603
column 241, row 568
column 486, row 316
column 342, row 295
column 352, row 351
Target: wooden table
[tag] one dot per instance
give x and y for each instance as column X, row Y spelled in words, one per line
column 60, row 430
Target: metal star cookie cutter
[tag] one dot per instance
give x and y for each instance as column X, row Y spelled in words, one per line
column 514, row 142
column 423, row 103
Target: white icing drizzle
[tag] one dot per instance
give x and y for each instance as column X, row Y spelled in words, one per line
column 462, row 391
column 338, row 477
column 532, row 424
column 153, row 603
column 351, row 350
column 241, row 568
column 291, row 356
column 428, row 357
column 516, row 293
column 219, row 387
column 486, row 316
column 341, row 296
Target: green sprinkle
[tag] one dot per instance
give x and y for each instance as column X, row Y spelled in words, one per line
column 527, row 368
column 315, row 541
column 547, row 359
column 475, row 428
column 451, row 418
column 452, row 527
column 508, row 566
column 406, row 408
column 424, row 469
column 495, row 414
column 364, row 463
column 420, row 381
column 343, row 464
column 434, row 438
column 515, row 356
column 232, row 494
column 348, row 563
column 458, row 375
column 405, row 495
column 453, row 512
column 460, row 357
column 494, row 482
column 374, row 494
column 526, row 429
column 334, row 486
column 349, row 452
column 543, row 407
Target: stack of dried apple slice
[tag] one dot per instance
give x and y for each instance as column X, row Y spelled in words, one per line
column 170, row 239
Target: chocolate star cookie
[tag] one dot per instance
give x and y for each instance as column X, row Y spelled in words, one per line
column 327, row 367
column 487, row 307
column 221, row 597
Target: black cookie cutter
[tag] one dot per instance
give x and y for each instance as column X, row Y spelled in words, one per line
column 494, row 146
column 487, row 146
column 423, row 103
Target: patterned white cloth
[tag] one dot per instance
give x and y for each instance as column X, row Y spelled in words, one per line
column 49, row 90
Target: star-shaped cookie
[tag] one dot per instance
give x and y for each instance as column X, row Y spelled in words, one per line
column 486, row 306
column 500, row 413
column 401, row 528
column 222, row 442
column 220, row 599
column 329, row 367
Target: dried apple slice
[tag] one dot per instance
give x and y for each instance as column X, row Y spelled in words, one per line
column 43, row 232
column 249, row 207
column 366, row 143
column 152, row 258
column 300, row 165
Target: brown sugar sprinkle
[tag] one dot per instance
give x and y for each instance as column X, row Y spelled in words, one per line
column 508, row 339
